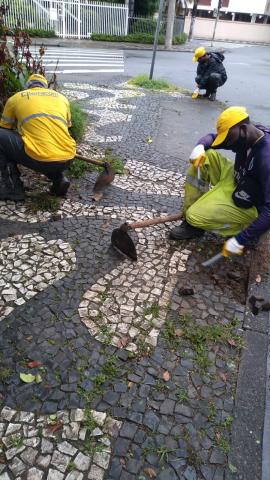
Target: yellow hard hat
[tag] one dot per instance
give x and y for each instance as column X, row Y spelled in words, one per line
column 36, row 80
column 199, row 52
column 226, row 120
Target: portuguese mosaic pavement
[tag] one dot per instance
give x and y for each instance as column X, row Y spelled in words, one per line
column 118, row 388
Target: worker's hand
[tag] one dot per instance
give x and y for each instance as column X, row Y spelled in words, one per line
column 232, row 247
column 198, row 156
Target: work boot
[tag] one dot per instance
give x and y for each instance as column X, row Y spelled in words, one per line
column 11, row 186
column 60, row 187
column 212, row 97
column 185, row 231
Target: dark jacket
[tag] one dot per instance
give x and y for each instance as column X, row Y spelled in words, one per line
column 212, row 65
column 257, row 169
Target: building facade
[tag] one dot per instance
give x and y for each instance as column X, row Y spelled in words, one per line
column 238, row 20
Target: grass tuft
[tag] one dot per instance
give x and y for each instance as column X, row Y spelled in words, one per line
column 143, row 81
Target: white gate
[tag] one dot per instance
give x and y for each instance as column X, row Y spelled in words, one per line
column 69, row 18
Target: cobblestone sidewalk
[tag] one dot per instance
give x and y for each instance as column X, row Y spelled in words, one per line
column 112, row 369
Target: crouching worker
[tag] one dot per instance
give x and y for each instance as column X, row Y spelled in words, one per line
column 211, row 72
column 34, row 133
column 230, row 199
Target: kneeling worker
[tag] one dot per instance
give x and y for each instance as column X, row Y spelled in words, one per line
column 238, row 203
column 34, row 133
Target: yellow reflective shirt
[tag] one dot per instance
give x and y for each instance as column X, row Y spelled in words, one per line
column 42, row 117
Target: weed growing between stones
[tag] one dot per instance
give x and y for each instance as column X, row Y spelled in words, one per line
column 44, row 202
column 200, row 337
column 78, row 168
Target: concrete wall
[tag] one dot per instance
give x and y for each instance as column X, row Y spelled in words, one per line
column 240, row 6
column 226, row 30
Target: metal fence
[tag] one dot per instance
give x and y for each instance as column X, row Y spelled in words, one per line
column 69, row 18
column 148, row 25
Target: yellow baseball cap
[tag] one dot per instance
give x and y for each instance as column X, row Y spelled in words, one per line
column 226, row 120
column 199, row 52
column 36, row 80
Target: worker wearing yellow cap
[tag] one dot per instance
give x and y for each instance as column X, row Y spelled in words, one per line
column 34, row 133
column 211, row 72
column 231, row 199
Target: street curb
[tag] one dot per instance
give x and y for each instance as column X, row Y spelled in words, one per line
column 266, row 433
column 250, row 444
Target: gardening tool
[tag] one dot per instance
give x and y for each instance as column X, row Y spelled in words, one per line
column 104, row 178
column 213, row 260
column 122, row 241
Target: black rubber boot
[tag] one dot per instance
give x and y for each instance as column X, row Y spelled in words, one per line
column 212, row 97
column 11, row 186
column 60, row 187
column 185, row 232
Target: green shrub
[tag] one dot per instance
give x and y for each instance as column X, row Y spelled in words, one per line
column 179, row 39
column 147, row 38
column 131, row 38
column 145, row 25
column 39, row 32
column 78, row 119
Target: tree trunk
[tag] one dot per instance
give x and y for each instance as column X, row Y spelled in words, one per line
column 170, row 24
column 193, row 17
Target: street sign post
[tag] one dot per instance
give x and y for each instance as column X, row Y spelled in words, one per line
column 161, row 5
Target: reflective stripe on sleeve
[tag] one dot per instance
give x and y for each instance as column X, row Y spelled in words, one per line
column 8, row 120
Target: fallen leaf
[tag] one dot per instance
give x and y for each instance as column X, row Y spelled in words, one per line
column 179, row 332
column 97, row 196
column 27, row 377
column 258, row 278
column 150, row 472
column 232, row 342
column 166, row 376
column 123, row 342
column 33, row 364
column 38, row 378
column 218, row 435
column 53, row 416
column 55, row 427
column 130, row 384
column 149, row 140
column 29, row 338
column 223, row 377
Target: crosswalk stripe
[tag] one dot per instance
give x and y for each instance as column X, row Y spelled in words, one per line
column 93, row 61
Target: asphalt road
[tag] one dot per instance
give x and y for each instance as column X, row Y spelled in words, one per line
column 248, row 69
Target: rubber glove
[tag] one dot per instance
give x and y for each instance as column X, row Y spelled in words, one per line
column 196, row 93
column 198, row 156
column 232, row 247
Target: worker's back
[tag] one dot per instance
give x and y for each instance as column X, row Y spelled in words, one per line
column 42, row 117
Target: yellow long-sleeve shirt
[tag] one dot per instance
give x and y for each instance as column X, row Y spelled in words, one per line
column 42, row 117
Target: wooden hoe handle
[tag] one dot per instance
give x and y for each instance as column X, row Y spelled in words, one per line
column 89, row 160
column 155, row 221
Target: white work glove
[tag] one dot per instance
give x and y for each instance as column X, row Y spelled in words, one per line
column 198, row 156
column 232, row 247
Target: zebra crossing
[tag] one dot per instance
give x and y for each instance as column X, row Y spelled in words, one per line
column 69, row 61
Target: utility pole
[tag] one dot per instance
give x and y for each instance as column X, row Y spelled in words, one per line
column 220, row 4
column 170, row 24
column 160, row 11
column 193, row 17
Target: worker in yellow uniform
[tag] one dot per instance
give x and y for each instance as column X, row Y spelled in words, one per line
column 34, row 133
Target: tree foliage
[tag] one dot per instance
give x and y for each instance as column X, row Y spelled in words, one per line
column 146, row 7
